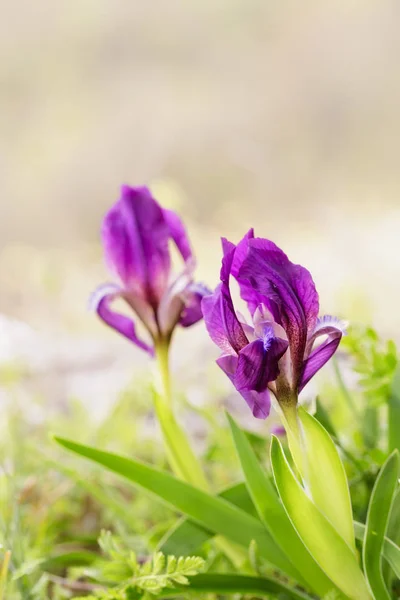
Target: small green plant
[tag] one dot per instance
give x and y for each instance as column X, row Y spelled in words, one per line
column 122, row 576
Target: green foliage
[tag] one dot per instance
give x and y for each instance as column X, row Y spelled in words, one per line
column 131, row 578
column 374, row 360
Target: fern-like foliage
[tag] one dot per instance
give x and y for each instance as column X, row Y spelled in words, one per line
column 130, row 579
column 374, row 360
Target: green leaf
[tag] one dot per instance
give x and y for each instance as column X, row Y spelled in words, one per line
column 211, row 512
column 393, row 533
column 391, row 552
column 330, row 492
column 394, row 414
column 377, row 521
column 273, row 515
column 238, row 584
column 186, row 536
column 330, row 551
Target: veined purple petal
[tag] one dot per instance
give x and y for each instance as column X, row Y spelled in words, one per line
column 219, row 313
column 178, row 233
column 135, row 237
column 221, row 321
column 258, row 363
column 247, row 292
column 258, row 402
column 100, row 302
column 288, row 292
column 193, row 296
column 333, row 329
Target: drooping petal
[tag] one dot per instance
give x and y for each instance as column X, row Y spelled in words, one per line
column 219, row 313
column 193, row 296
column 258, row 364
column 258, row 402
column 178, row 233
column 288, row 292
column 101, row 300
column 135, row 237
column 333, row 329
column 221, row 321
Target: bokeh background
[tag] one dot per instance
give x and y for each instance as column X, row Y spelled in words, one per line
column 282, row 115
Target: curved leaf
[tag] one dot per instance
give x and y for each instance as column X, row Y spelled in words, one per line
column 273, row 514
column 237, row 584
column 209, row 511
column 391, row 552
column 330, row 493
column 377, row 521
column 333, row 555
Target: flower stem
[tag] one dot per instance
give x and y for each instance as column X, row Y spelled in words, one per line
column 181, row 457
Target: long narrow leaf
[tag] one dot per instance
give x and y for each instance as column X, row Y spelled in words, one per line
column 209, row 511
column 391, row 552
column 186, row 536
column 377, row 521
column 394, row 413
column 333, row 555
column 237, row 584
column 330, row 492
column 274, row 516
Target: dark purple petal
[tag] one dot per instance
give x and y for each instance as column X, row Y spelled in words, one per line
column 178, row 233
column 221, row 321
column 333, row 329
column 258, row 364
column 135, row 237
column 259, row 403
column 247, row 292
column 100, row 302
column 288, row 292
column 192, row 310
column 219, row 313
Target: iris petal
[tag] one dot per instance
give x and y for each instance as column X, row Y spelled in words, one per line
column 288, row 292
column 258, row 402
column 333, row 329
column 135, row 237
column 258, row 364
column 178, row 233
column 100, row 302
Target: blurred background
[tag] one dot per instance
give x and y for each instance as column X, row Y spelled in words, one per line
column 281, row 115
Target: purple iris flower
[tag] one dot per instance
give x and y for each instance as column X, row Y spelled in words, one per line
column 136, row 232
column 278, row 353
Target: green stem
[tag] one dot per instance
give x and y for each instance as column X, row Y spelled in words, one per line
column 181, row 457
column 180, row 454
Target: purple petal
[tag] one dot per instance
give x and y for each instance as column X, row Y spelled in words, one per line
column 192, row 311
column 178, row 233
column 334, row 330
column 258, row 364
column 247, row 292
column 288, row 292
column 135, row 237
column 100, row 302
column 259, row 403
column 221, row 321
column 219, row 313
